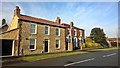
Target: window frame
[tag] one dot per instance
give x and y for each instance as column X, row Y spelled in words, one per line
column 58, row 31
column 58, row 44
column 47, row 30
column 80, row 33
column 75, row 32
column 34, row 44
column 34, row 28
column 69, row 31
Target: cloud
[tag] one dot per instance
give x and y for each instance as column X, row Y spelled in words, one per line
column 85, row 15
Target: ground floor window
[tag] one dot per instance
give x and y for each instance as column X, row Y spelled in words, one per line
column 69, row 39
column 57, row 43
column 32, row 44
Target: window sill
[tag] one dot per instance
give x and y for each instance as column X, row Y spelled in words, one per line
column 47, row 34
column 57, row 48
column 33, row 33
column 32, row 49
column 57, row 35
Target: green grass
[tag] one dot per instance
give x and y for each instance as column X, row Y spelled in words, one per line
column 46, row 56
column 104, row 49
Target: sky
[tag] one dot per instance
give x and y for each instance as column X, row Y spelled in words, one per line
column 85, row 15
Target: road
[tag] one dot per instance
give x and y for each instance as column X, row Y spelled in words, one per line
column 100, row 58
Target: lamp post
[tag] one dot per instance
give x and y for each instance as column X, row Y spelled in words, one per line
column 117, row 38
column 117, row 43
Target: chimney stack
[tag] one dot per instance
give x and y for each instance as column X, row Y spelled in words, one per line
column 58, row 20
column 71, row 24
column 72, row 28
column 17, row 11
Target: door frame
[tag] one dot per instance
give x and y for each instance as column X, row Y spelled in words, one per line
column 66, row 42
column 13, row 41
column 48, row 45
column 13, row 45
column 75, row 41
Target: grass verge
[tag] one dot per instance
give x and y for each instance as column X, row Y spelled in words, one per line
column 104, row 49
column 46, row 56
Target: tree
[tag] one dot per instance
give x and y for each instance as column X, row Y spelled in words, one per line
column 3, row 21
column 98, row 36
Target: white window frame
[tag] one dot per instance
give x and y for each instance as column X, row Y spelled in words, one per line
column 48, row 30
column 34, row 44
column 75, row 34
column 76, row 41
column 35, row 28
column 58, row 31
column 70, row 32
column 59, row 44
column 80, row 33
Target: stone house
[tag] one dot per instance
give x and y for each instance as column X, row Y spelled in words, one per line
column 27, row 35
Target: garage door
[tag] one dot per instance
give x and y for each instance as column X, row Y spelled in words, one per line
column 7, row 47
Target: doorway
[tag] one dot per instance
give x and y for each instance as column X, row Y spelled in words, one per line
column 46, row 45
column 7, row 46
column 66, row 43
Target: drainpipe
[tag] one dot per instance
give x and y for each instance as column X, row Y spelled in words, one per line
column 117, row 41
column 117, row 38
column 19, row 40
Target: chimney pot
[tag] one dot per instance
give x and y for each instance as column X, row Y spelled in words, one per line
column 17, row 11
column 58, row 20
column 71, row 24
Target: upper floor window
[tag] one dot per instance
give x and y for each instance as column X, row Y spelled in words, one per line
column 69, row 32
column 81, row 33
column 33, row 28
column 57, row 43
column 75, row 32
column 47, row 31
column 32, row 44
column 57, row 31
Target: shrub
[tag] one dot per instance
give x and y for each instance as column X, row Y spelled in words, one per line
column 83, row 45
column 91, row 44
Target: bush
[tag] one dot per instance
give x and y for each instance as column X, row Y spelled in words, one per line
column 83, row 45
column 91, row 44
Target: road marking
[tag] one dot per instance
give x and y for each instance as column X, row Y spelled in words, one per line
column 79, row 62
column 109, row 55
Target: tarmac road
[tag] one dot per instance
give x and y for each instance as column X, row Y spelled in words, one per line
column 100, row 58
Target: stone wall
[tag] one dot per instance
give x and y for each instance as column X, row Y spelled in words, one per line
column 14, row 23
column 40, row 36
column 12, row 34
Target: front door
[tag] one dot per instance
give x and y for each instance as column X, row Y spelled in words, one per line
column 46, row 45
column 66, row 43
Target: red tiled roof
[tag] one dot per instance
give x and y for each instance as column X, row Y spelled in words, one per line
column 39, row 20
column 67, row 25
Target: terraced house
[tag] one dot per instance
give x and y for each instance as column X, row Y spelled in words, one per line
column 28, row 35
column 74, row 37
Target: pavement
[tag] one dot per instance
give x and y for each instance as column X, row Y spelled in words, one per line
column 97, row 58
